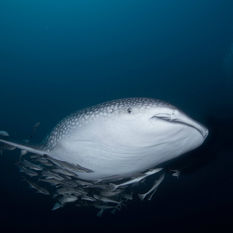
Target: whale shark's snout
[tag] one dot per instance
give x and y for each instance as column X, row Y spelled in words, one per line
column 181, row 118
column 175, row 116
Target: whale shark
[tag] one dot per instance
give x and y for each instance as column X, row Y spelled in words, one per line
column 110, row 146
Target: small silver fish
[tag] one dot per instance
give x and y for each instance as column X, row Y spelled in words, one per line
column 153, row 189
column 87, row 198
column 69, row 183
column 68, row 199
column 32, row 165
column 83, row 183
column 28, row 172
column 63, row 200
column 43, row 161
column 176, row 173
column 128, row 196
column 102, row 208
column 110, row 193
column 51, row 175
column 136, row 179
column 4, row 133
column 105, row 199
column 38, row 188
column 63, row 172
column 57, row 205
column 53, row 182
column 63, row 191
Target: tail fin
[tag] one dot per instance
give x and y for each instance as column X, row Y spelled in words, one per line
column 23, row 147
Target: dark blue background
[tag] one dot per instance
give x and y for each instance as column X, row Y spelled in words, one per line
column 59, row 56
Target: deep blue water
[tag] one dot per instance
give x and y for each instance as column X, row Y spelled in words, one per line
column 59, row 56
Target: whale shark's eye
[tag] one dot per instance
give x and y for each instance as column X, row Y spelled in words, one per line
column 129, row 110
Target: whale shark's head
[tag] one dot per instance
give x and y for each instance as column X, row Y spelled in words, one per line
column 166, row 117
column 150, row 123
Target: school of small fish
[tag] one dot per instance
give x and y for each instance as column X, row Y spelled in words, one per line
column 46, row 177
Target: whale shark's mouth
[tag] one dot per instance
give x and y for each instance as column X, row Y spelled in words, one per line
column 184, row 120
column 201, row 129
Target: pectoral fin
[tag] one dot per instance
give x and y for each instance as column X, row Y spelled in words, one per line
column 23, row 147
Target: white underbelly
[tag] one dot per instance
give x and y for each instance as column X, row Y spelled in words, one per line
column 107, row 159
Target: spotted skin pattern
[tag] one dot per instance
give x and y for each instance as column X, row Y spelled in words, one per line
column 106, row 109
